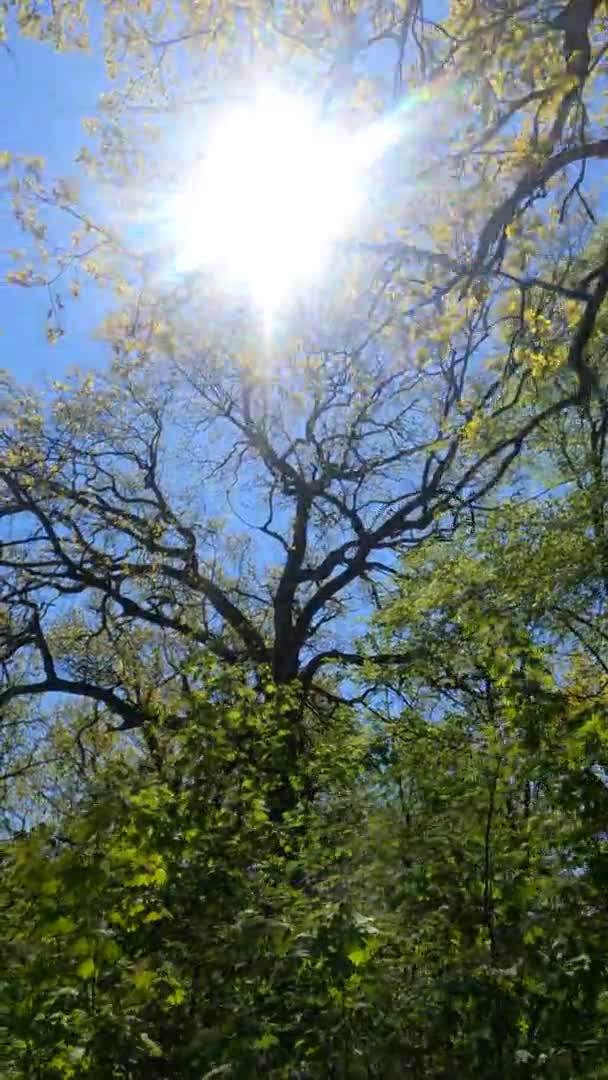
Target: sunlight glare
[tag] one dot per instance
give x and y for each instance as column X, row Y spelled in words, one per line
column 275, row 189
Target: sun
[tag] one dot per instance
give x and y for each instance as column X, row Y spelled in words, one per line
column 275, row 188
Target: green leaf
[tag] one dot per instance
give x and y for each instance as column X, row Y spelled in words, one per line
column 150, row 1045
column 358, row 957
column 86, row 969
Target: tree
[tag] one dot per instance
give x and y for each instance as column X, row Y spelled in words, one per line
column 153, row 931
column 414, row 921
column 435, row 351
column 493, row 739
column 303, row 633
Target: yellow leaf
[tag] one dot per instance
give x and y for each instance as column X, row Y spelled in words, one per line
column 19, row 277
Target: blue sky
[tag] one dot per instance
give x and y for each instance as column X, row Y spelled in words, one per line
column 43, row 96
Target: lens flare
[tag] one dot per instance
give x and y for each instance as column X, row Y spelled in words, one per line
column 275, row 189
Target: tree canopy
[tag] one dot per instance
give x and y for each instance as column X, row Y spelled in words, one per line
column 303, row 590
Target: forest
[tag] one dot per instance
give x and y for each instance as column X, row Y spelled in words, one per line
column 304, row 540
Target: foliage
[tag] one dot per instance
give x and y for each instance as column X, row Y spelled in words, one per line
column 405, row 921
column 303, row 665
column 171, row 927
